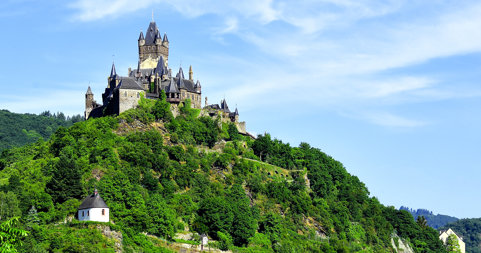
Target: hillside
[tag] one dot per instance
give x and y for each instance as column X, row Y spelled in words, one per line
column 19, row 129
column 470, row 231
column 163, row 176
column 435, row 221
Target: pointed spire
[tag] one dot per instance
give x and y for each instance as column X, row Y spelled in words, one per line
column 172, row 88
column 113, row 73
column 191, row 73
column 236, row 111
column 181, row 73
column 141, row 36
column 89, row 91
column 197, row 84
column 165, row 38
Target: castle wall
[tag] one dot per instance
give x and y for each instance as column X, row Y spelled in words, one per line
column 128, row 99
column 241, row 127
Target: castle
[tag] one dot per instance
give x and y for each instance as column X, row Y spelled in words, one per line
column 152, row 76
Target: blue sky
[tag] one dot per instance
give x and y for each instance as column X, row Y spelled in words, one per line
column 389, row 88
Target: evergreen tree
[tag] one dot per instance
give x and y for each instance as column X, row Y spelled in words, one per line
column 65, row 181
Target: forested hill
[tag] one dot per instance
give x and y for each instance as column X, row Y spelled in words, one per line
column 470, row 231
column 167, row 180
column 435, row 221
column 19, row 129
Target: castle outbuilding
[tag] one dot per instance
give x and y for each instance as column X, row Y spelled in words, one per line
column 93, row 208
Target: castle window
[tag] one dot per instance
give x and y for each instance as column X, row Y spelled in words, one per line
column 83, row 214
column 103, row 211
column 125, row 94
column 138, row 95
column 88, row 213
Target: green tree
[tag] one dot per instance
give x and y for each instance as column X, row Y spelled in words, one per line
column 452, row 244
column 9, row 205
column 422, row 222
column 161, row 109
column 65, row 181
column 10, row 235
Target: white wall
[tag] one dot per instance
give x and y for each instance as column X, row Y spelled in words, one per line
column 93, row 214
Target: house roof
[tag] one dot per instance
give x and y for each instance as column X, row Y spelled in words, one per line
column 93, row 201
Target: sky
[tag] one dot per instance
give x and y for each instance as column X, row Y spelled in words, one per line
column 389, row 88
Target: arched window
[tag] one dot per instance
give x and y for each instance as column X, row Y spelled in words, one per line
column 103, row 211
column 88, row 213
column 83, row 214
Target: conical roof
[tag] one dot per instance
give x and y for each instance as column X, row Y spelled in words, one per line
column 172, row 87
column 141, row 36
column 113, row 73
column 165, row 38
column 89, row 91
column 93, row 201
column 151, row 33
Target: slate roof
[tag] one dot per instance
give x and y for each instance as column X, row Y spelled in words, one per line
column 93, row 201
column 113, row 73
column 187, row 84
column 165, row 38
column 128, row 83
column 141, row 36
column 151, row 33
column 224, row 106
column 172, row 87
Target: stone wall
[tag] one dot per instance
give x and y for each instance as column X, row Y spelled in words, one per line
column 128, row 99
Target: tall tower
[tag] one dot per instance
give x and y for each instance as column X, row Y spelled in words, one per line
column 152, row 47
column 89, row 102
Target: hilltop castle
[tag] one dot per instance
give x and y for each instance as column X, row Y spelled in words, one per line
column 152, row 76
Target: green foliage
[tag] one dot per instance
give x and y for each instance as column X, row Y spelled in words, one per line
column 20, row 129
column 469, row 230
column 250, row 198
column 10, row 235
column 225, row 241
column 9, row 206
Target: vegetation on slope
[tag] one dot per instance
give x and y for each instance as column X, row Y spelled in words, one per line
column 470, row 231
column 435, row 221
column 20, row 129
column 162, row 175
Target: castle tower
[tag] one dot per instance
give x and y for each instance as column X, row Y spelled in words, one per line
column 89, row 102
column 152, row 47
column 113, row 79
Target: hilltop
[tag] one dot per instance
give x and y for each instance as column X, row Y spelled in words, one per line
column 164, row 176
column 435, row 221
column 20, row 129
